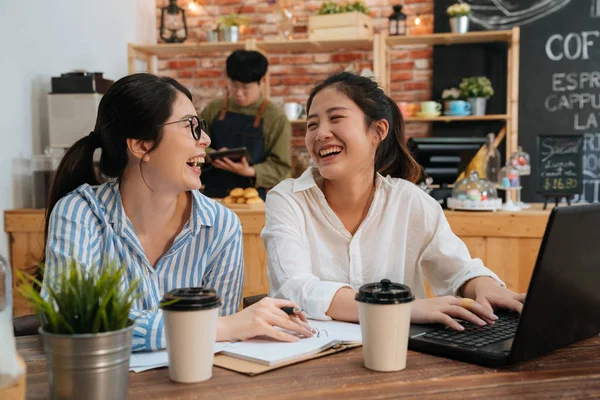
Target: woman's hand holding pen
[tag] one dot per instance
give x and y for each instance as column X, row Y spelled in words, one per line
column 260, row 319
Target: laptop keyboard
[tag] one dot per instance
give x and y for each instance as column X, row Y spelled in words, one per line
column 479, row 336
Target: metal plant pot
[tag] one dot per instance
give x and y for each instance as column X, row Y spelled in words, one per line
column 478, row 105
column 212, row 36
column 230, row 34
column 88, row 366
column 459, row 24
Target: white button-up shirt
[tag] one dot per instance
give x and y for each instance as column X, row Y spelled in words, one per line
column 405, row 237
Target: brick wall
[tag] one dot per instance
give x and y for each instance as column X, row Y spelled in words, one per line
column 293, row 75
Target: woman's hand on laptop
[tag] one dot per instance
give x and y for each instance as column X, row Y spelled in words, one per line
column 490, row 294
column 444, row 309
column 260, row 319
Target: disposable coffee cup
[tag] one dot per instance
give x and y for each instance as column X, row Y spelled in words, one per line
column 190, row 320
column 384, row 314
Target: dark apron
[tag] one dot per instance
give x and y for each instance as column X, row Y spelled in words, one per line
column 233, row 130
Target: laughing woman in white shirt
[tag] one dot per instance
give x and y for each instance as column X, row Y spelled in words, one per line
column 357, row 217
column 151, row 217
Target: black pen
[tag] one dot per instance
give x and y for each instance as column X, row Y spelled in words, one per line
column 291, row 310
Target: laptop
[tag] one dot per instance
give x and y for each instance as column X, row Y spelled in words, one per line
column 562, row 304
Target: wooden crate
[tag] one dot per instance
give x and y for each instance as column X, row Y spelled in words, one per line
column 351, row 25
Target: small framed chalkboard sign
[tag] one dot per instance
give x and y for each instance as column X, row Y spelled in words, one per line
column 560, row 166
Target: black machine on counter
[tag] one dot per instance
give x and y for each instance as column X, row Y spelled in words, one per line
column 443, row 159
column 80, row 82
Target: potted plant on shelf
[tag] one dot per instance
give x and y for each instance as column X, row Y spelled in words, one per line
column 229, row 26
column 86, row 330
column 449, row 95
column 341, row 21
column 459, row 17
column 477, row 89
column 212, row 31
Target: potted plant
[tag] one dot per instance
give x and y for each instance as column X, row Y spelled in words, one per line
column 349, row 20
column 229, row 25
column 212, row 31
column 86, row 330
column 459, row 17
column 333, row 7
column 477, row 89
column 449, row 95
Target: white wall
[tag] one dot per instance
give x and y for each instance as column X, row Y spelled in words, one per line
column 40, row 39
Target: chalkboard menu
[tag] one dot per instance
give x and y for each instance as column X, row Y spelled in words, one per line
column 559, row 91
column 559, row 78
column 559, row 169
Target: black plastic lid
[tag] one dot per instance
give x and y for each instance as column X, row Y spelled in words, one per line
column 384, row 292
column 190, row 299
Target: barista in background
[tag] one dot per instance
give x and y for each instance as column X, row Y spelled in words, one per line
column 244, row 118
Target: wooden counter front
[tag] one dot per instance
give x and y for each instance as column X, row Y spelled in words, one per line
column 507, row 243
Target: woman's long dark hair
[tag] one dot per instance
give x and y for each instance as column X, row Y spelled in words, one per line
column 392, row 156
column 133, row 107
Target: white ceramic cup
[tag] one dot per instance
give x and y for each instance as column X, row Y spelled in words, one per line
column 191, row 332
column 384, row 314
column 430, row 107
column 293, row 111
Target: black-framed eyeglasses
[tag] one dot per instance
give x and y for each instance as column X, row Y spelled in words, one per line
column 197, row 125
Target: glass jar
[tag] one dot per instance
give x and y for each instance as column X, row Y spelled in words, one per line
column 286, row 19
column 521, row 161
column 43, row 167
column 473, row 193
column 10, row 369
column 509, row 177
column 492, row 159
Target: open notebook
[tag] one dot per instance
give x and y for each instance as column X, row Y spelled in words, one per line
column 272, row 353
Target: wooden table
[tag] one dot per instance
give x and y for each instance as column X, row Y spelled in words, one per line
column 568, row 373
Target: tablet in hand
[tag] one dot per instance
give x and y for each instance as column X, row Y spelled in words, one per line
column 234, row 155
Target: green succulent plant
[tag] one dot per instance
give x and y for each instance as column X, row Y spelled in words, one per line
column 333, row 7
column 83, row 300
column 476, row 86
column 227, row 21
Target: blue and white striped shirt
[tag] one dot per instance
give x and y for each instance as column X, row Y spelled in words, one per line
column 89, row 226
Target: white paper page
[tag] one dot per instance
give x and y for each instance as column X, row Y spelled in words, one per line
column 344, row 332
column 143, row 361
column 271, row 352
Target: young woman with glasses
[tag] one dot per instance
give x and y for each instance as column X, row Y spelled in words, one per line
column 149, row 214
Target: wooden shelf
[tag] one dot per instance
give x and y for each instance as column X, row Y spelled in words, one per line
column 285, row 46
column 442, row 118
column 298, row 121
column 173, row 49
column 451, row 38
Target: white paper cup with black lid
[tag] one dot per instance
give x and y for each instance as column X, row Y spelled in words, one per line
column 190, row 320
column 384, row 314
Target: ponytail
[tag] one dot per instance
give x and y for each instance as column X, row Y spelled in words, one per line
column 393, row 157
column 75, row 169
